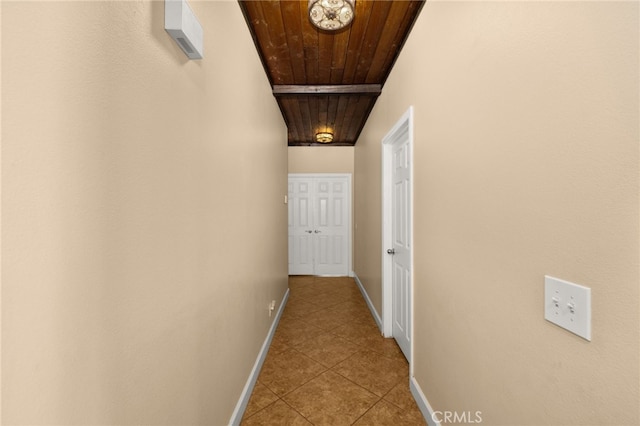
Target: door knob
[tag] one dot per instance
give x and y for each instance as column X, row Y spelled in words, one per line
column 316, row 231
column 308, row 232
column 391, row 251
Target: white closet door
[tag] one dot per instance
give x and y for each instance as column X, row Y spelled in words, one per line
column 301, row 239
column 326, row 198
column 331, row 228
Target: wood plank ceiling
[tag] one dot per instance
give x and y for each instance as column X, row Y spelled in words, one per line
column 328, row 81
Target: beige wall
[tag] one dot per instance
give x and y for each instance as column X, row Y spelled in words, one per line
column 526, row 164
column 321, row 159
column 130, row 184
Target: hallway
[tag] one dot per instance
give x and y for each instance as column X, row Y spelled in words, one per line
column 329, row 365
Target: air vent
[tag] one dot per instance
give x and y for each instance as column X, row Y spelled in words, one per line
column 184, row 44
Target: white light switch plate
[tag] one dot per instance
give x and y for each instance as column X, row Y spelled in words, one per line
column 568, row 305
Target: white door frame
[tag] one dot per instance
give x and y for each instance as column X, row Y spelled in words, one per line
column 387, row 214
column 348, row 177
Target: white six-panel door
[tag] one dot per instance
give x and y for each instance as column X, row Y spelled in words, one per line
column 301, row 239
column 401, row 246
column 319, row 224
column 397, row 287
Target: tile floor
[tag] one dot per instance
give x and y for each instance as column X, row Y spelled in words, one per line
column 329, row 365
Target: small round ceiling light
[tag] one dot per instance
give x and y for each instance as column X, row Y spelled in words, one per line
column 331, row 15
column 324, row 137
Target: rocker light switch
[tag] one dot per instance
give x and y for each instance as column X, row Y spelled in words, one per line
column 568, row 305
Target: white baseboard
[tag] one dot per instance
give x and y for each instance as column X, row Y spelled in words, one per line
column 375, row 314
column 241, row 406
column 423, row 404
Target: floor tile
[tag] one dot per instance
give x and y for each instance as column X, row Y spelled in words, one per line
column 287, row 370
column 294, row 296
column 260, row 398
column 325, row 319
column 355, row 310
column 333, row 283
column 327, row 349
column 347, row 292
column 351, row 316
column 300, row 281
column 288, row 318
column 387, row 414
column 293, row 333
column 309, row 292
column 325, row 300
column 373, row 371
column 300, row 307
column 400, row 396
column 353, row 303
column 278, row 345
column 330, row 399
column 328, row 364
column 386, row 346
column 276, row 414
column 357, row 332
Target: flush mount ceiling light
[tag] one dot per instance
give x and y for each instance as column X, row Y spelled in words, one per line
column 331, row 14
column 324, row 137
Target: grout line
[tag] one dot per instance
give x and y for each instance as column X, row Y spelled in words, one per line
column 294, row 409
column 312, row 378
column 368, row 409
column 263, row 408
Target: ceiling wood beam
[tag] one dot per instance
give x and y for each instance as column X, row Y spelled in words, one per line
column 337, row 89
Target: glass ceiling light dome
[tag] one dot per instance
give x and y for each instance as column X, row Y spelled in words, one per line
column 331, row 15
column 324, row 137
